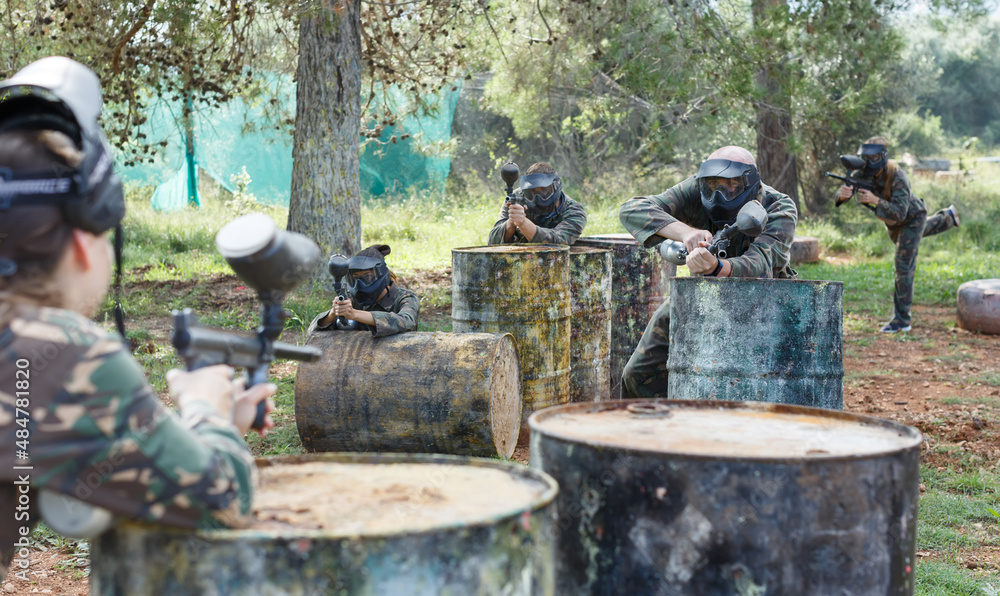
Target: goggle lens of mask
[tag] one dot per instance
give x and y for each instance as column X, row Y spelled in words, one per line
column 539, row 193
column 730, row 187
column 367, row 275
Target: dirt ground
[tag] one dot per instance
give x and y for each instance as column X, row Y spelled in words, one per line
column 942, row 380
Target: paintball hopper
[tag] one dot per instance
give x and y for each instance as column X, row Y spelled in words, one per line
column 267, row 259
column 852, row 162
column 338, row 266
column 751, row 219
column 509, row 172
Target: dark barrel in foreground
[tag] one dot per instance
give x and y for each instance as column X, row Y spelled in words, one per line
column 455, row 393
column 354, row 524
column 729, row 498
column 773, row 340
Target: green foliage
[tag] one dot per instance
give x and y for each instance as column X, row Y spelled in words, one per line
column 919, row 135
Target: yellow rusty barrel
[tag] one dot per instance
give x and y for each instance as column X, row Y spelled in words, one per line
column 523, row 290
column 354, row 525
column 457, row 393
column 640, row 282
column 590, row 325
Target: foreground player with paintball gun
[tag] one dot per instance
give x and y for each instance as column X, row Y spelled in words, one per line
column 87, row 435
column 883, row 187
column 539, row 211
column 727, row 191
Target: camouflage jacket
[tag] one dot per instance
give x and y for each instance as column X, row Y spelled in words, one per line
column 899, row 204
column 76, row 404
column 396, row 312
column 764, row 256
column 562, row 228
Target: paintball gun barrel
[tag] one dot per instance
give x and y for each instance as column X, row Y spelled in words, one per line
column 852, row 163
column 272, row 262
column 750, row 222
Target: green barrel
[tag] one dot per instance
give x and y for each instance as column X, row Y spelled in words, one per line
column 590, row 326
column 523, row 290
column 354, row 524
column 640, row 282
column 771, row 340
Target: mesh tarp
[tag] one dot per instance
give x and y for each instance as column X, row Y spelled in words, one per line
column 235, row 135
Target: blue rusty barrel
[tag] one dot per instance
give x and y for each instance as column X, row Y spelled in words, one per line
column 590, row 325
column 773, row 340
column 521, row 289
column 640, row 282
column 703, row 497
column 354, row 524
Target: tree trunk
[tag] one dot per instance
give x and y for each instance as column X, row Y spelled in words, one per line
column 775, row 162
column 325, row 200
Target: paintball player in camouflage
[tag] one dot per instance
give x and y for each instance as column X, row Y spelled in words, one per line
column 77, row 416
column 691, row 212
column 376, row 301
column 905, row 218
column 542, row 213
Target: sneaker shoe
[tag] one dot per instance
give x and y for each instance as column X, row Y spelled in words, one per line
column 953, row 214
column 895, row 326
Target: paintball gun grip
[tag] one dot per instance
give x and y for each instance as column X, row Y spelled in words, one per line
column 203, row 346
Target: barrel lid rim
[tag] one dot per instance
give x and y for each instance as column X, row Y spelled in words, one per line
column 536, row 420
column 543, row 248
column 733, row 280
column 546, row 498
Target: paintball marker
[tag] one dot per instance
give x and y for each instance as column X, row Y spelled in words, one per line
column 338, row 269
column 749, row 222
column 852, row 163
column 272, row 262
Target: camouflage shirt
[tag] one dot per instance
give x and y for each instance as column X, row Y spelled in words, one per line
column 562, row 228
column 78, row 406
column 764, row 256
column 396, row 312
column 898, row 204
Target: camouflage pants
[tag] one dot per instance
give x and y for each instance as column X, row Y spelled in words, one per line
column 645, row 375
column 937, row 223
column 906, row 237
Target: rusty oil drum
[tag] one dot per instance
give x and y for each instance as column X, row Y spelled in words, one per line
column 717, row 497
column 640, row 282
column 354, row 524
column 521, row 289
column 417, row 392
column 773, row 340
column 590, row 325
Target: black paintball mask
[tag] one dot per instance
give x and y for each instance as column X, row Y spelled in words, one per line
column 875, row 156
column 726, row 186
column 369, row 277
column 536, row 191
column 59, row 94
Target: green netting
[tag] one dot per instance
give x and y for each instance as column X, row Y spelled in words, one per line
column 234, row 135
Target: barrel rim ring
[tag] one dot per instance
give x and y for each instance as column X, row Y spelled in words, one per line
column 497, row 248
column 536, row 420
column 249, row 534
